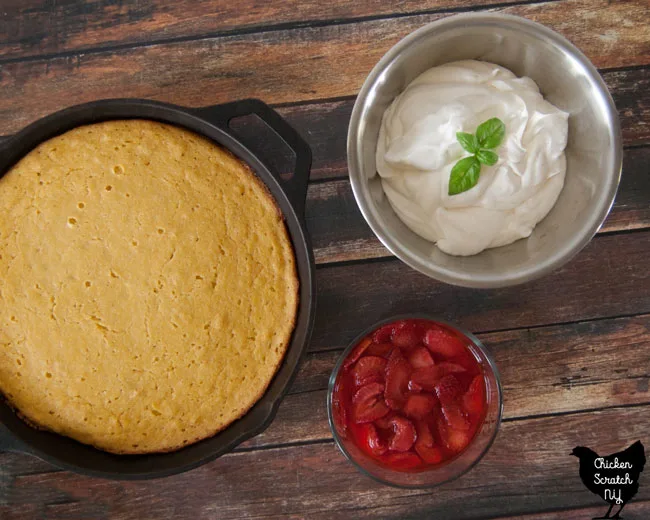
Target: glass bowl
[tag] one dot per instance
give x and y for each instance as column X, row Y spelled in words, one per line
column 446, row 471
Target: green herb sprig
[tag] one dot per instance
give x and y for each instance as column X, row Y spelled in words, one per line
column 465, row 173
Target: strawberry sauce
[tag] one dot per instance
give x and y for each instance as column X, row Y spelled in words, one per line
column 410, row 394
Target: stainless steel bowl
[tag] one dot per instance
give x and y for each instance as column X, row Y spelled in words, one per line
column 565, row 77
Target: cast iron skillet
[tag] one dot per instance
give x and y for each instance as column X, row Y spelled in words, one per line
column 290, row 194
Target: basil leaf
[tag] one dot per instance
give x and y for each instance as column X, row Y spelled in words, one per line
column 468, row 141
column 464, row 175
column 491, row 133
column 487, row 157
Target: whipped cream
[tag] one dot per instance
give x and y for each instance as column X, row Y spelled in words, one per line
column 417, row 149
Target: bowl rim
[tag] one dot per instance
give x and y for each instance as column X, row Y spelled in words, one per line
column 359, row 182
column 421, row 316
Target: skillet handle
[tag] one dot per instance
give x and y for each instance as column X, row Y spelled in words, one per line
column 4, row 142
column 296, row 186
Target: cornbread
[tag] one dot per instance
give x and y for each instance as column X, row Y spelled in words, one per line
column 148, row 289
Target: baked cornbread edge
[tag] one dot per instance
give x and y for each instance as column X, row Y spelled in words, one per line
column 286, row 342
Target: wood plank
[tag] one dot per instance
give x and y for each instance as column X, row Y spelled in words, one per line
column 325, row 124
column 340, row 233
column 631, row 209
column 606, row 279
column 528, row 463
column 630, row 90
column 284, row 66
column 550, row 370
column 35, row 27
column 315, row 371
column 633, row 511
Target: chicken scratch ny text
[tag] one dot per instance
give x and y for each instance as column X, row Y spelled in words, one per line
column 611, row 496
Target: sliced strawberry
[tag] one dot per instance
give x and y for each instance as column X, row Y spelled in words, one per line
column 454, row 417
column 375, row 443
column 398, row 372
column 450, row 368
column 467, row 360
column 404, row 434
column 379, row 349
column 357, row 352
column 420, row 358
column 396, row 325
column 453, row 440
column 369, row 369
column 368, row 403
column 425, row 437
column 457, row 440
column 426, row 377
column 474, row 398
column 442, row 429
column 403, row 461
column 383, row 333
column 414, row 387
column 429, row 454
column 407, row 335
column 385, row 422
column 419, row 405
column 444, row 343
column 448, row 389
column 425, row 445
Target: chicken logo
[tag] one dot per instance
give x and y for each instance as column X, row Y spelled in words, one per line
column 614, row 478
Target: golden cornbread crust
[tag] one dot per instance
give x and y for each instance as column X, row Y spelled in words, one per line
column 148, row 288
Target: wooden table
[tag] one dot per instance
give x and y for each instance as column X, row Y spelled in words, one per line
column 573, row 348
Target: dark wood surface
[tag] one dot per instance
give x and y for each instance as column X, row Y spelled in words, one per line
column 573, row 348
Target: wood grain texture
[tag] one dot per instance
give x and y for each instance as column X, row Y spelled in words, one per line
column 606, row 279
column 315, row 481
column 34, row 27
column 633, row 511
column 286, row 65
column 339, row 232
